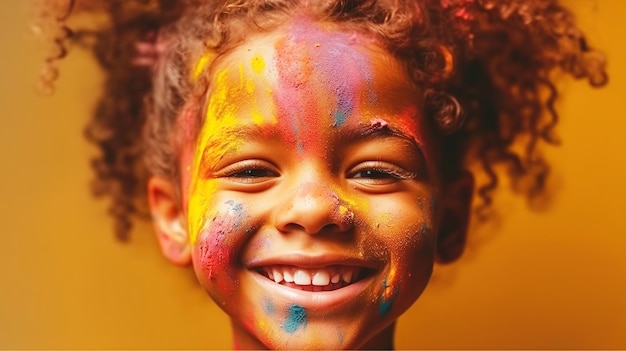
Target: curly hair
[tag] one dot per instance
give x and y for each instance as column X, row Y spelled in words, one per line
column 487, row 69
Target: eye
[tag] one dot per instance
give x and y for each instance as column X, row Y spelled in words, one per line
column 375, row 174
column 379, row 173
column 250, row 172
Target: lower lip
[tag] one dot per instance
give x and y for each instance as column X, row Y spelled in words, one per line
column 315, row 300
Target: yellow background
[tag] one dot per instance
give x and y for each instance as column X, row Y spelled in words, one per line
column 551, row 279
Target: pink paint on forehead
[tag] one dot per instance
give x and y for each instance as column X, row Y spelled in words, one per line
column 321, row 78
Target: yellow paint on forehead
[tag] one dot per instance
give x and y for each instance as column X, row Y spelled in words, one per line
column 258, row 64
column 250, row 87
column 201, row 65
column 233, row 92
column 220, row 117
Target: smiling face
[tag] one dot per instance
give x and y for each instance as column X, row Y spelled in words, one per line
column 309, row 192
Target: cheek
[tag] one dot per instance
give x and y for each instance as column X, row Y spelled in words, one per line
column 403, row 233
column 202, row 209
column 216, row 248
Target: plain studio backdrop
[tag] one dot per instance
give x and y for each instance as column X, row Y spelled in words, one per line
column 549, row 279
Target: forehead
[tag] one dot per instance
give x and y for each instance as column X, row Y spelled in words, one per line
column 305, row 57
column 310, row 85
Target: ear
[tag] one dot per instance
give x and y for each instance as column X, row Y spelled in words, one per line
column 168, row 220
column 455, row 210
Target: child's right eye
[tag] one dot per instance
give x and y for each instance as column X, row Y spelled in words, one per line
column 250, row 172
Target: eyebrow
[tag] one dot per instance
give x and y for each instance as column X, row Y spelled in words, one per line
column 253, row 131
column 362, row 132
column 376, row 130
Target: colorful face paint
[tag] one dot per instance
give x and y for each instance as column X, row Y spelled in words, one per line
column 296, row 319
column 303, row 186
column 219, row 135
column 202, row 64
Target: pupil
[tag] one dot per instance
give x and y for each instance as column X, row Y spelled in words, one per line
column 375, row 174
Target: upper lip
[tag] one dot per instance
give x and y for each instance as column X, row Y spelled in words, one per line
column 312, row 261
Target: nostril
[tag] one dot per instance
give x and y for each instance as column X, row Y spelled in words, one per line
column 331, row 228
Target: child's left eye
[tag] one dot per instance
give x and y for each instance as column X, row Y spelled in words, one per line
column 379, row 173
column 375, row 174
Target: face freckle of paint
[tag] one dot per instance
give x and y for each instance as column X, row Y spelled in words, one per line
column 425, row 230
column 340, row 336
column 201, row 65
column 258, row 64
column 378, row 123
column 268, row 307
column 387, row 295
column 296, row 319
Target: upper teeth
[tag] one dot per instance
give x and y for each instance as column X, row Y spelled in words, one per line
column 314, row 276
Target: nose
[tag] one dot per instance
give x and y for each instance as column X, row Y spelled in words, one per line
column 314, row 208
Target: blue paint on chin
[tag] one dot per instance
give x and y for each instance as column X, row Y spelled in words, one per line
column 296, row 319
column 384, row 307
column 386, row 303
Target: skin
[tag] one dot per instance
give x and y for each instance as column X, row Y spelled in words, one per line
column 313, row 150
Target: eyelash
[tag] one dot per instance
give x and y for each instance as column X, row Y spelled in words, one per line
column 249, row 171
column 381, row 171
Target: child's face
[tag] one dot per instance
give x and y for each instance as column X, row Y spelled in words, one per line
column 309, row 193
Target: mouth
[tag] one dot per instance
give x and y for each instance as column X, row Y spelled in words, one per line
column 329, row 278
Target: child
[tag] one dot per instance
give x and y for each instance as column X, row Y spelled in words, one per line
column 310, row 158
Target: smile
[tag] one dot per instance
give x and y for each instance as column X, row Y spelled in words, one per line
column 316, row 282
column 314, row 279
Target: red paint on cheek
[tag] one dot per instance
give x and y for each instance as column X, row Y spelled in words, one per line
column 215, row 252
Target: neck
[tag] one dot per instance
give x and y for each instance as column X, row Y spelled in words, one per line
column 382, row 340
column 243, row 340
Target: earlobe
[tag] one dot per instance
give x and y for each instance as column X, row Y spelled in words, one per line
column 168, row 221
column 454, row 218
